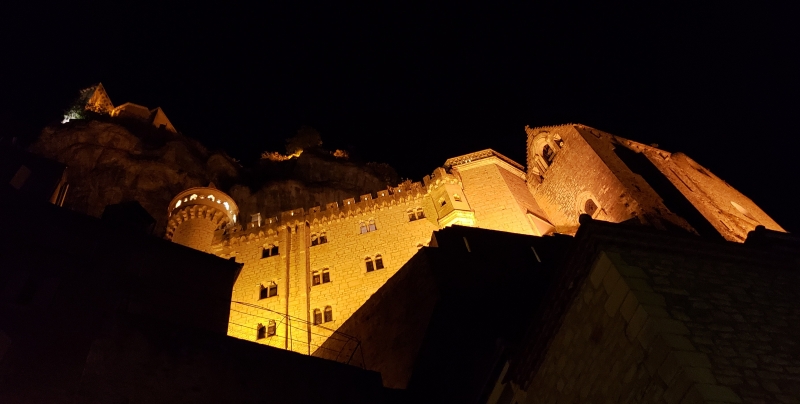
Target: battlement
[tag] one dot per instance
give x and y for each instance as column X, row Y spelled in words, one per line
column 401, row 194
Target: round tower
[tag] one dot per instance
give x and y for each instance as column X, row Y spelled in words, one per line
column 196, row 213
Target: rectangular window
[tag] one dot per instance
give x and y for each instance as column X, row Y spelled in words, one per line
column 274, row 251
column 273, row 290
column 262, row 332
column 420, row 214
column 314, row 241
column 326, row 276
column 315, row 278
column 265, row 253
column 323, row 238
column 271, row 329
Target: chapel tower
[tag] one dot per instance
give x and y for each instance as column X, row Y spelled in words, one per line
column 574, row 169
column 196, row 213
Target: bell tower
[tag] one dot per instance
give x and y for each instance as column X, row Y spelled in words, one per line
column 196, row 213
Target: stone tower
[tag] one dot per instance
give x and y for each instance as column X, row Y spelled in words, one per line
column 449, row 200
column 575, row 169
column 196, row 213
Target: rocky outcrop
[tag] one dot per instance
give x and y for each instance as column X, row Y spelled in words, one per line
column 115, row 161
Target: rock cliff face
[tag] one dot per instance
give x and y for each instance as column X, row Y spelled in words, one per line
column 111, row 162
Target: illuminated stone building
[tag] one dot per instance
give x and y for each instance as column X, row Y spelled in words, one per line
column 96, row 99
column 307, row 271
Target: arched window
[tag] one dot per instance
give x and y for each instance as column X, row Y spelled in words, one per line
column 370, row 264
column 323, row 238
column 363, row 228
column 372, row 225
column 420, row 213
column 326, row 276
column 314, row 240
column 317, row 317
column 261, row 331
column 590, row 207
column 270, row 290
column 269, row 251
column 411, row 216
column 271, row 328
column 328, row 314
column 378, row 262
column 548, row 154
column 315, row 278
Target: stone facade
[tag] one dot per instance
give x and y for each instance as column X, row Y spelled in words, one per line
column 306, row 272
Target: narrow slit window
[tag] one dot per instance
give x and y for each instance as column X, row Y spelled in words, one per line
column 378, row 262
column 271, row 328
column 326, row 276
column 317, row 317
column 261, row 331
column 370, row 264
column 328, row 314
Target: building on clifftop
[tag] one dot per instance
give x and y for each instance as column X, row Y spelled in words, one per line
column 306, row 272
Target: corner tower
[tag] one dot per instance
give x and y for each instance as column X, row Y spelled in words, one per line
column 449, row 200
column 196, row 213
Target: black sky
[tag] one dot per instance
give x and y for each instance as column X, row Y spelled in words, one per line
column 412, row 85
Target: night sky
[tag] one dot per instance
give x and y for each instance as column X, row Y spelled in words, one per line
column 412, row 85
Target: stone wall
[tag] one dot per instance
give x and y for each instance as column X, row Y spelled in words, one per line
column 395, row 239
column 645, row 326
column 498, row 195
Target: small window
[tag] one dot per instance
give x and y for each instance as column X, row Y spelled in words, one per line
column 261, row 331
column 326, row 276
column 314, row 240
column 411, row 216
column 323, row 238
column 378, row 262
column 548, row 154
column 442, row 202
column 420, row 213
column 269, row 251
column 268, row 291
column 457, row 197
column 590, row 207
column 370, row 264
column 328, row 314
column 271, row 328
column 363, row 228
column 315, row 278
column 317, row 317
column 372, row 225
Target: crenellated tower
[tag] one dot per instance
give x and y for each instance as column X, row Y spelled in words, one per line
column 196, row 213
